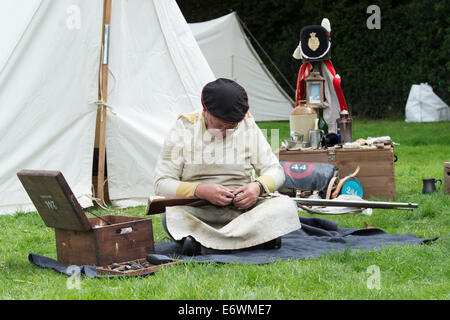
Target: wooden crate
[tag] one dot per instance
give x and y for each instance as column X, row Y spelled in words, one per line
column 127, row 238
column 376, row 173
column 79, row 240
column 447, row 177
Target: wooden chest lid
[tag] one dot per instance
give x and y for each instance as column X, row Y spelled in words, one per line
column 54, row 200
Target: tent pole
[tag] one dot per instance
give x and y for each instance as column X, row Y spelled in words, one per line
column 103, row 96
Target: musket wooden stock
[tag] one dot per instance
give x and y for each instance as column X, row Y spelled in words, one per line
column 158, row 205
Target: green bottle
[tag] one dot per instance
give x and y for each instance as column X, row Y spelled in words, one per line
column 322, row 123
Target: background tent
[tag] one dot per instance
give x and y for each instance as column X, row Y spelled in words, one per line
column 423, row 105
column 48, row 78
column 49, row 83
column 231, row 55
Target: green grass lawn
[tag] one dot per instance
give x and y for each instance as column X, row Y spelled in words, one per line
column 406, row 272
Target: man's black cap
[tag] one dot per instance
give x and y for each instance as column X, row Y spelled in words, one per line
column 225, row 99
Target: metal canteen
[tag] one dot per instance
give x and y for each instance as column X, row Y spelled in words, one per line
column 429, row 185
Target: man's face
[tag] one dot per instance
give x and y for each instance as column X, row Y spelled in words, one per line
column 217, row 127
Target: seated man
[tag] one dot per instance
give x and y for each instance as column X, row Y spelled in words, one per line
column 213, row 155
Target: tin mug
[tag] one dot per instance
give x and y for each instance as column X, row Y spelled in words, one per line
column 315, row 136
column 429, row 185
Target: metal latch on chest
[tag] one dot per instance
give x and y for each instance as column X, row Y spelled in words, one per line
column 331, row 155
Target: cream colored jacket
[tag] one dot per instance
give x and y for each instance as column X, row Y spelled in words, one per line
column 191, row 155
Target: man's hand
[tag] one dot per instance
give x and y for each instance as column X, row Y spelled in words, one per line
column 214, row 193
column 246, row 196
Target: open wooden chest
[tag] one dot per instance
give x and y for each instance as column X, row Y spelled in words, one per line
column 376, row 173
column 79, row 240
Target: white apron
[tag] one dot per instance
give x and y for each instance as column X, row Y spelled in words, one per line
column 226, row 228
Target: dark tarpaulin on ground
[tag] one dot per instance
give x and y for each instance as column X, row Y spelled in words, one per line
column 316, row 237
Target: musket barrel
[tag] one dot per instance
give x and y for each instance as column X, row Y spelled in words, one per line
column 357, row 204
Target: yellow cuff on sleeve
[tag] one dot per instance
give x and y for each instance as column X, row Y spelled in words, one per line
column 186, row 189
column 268, row 183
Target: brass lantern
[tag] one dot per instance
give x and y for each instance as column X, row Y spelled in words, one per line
column 314, row 90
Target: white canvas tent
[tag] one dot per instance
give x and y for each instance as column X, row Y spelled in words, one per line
column 49, row 91
column 231, row 55
column 423, row 105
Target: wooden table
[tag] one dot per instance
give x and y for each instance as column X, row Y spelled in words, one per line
column 376, row 173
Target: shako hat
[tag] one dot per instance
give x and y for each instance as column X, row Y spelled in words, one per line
column 225, row 99
column 315, row 44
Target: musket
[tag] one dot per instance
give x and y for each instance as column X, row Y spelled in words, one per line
column 158, row 204
column 348, row 203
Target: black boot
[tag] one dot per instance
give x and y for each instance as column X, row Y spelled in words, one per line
column 272, row 244
column 190, row 247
